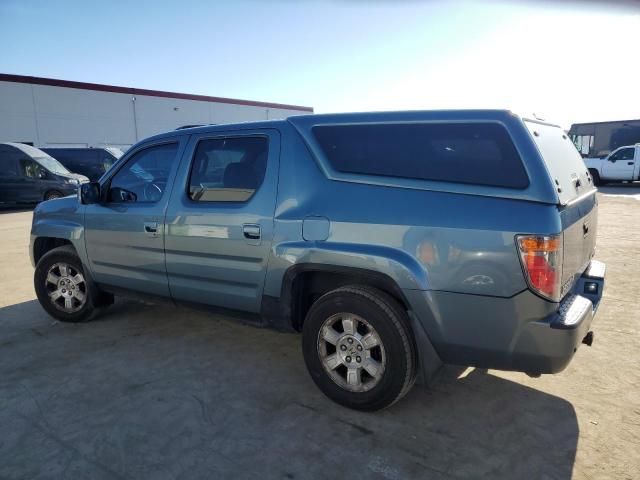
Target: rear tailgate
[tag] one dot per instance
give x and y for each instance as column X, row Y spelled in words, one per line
column 577, row 200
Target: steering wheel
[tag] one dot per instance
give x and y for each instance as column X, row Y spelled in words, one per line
column 152, row 192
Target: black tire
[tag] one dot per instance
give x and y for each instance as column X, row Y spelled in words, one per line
column 51, row 194
column 597, row 181
column 391, row 325
column 65, row 255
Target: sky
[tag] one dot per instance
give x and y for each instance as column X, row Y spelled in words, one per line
column 567, row 62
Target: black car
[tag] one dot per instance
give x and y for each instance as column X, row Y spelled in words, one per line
column 90, row 162
column 29, row 175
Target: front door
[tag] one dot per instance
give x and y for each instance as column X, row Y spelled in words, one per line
column 123, row 233
column 219, row 224
column 620, row 164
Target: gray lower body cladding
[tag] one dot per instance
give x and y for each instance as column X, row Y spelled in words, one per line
column 522, row 333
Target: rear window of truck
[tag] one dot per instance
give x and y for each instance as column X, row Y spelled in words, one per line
column 471, row 153
column 564, row 163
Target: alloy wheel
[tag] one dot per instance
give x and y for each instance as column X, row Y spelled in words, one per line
column 66, row 287
column 351, row 352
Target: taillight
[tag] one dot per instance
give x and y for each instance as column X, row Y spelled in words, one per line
column 542, row 263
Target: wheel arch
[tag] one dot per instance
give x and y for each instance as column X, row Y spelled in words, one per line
column 303, row 283
column 43, row 245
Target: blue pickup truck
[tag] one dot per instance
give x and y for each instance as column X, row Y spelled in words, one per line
column 394, row 242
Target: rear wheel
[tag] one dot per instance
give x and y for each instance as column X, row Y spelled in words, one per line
column 358, row 348
column 62, row 287
column 52, row 194
column 596, row 177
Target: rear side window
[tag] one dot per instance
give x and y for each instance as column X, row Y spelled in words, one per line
column 228, row 169
column 8, row 162
column 473, row 153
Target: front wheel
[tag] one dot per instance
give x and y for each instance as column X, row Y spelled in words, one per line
column 53, row 194
column 358, row 348
column 62, row 287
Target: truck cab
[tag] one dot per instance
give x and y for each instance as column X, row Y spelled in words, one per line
column 621, row 165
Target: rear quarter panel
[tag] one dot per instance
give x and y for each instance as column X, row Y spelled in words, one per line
column 423, row 239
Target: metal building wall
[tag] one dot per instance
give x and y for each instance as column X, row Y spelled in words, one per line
column 48, row 115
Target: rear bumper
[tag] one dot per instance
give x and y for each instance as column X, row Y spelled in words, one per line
column 563, row 332
column 523, row 333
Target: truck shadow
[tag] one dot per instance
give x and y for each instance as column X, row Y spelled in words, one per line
column 147, row 388
column 5, row 209
column 622, row 189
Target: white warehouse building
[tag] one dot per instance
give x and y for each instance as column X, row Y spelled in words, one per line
column 46, row 112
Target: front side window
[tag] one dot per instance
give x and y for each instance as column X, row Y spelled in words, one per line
column 473, row 153
column 32, row 169
column 623, row 154
column 52, row 165
column 228, row 169
column 144, row 178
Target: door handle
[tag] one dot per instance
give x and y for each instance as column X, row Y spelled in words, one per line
column 629, row 163
column 251, row 231
column 151, row 228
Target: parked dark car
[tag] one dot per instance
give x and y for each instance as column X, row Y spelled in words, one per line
column 90, row 162
column 29, row 175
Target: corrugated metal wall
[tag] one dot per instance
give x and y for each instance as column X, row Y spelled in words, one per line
column 58, row 116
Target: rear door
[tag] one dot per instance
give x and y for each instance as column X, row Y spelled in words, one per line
column 577, row 198
column 219, row 225
column 620, row 165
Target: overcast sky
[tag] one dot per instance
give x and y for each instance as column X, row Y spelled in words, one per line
column 569, row 63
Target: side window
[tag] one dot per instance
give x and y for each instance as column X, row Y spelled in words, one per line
column 623, row 154
column 473, row 153
column 8, row 163
column 106, row 160
column 627, row 154
column 144, row 177
column 32, row 169
column 228, row 169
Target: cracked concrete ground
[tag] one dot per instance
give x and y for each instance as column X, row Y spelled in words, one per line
column 165, row 392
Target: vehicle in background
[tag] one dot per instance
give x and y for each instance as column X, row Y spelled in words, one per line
column 393, row 241
column 29, row 175
column 621, row 165
column 599, row 139
column 90, row 162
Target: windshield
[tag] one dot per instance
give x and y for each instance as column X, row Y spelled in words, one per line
column 52, row 165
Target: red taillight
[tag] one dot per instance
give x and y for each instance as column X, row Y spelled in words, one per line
column 542, row 261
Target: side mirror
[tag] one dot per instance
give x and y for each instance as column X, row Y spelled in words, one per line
column 89, row 193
